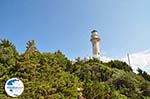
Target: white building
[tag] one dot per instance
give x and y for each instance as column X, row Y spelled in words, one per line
column 95, row 40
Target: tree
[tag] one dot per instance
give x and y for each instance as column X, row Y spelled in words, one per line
column 53, row 76
column 31, row 45
column 96, row 90
column 143, row 74
column 145, row 88
column 120, row 65
column 8, row 53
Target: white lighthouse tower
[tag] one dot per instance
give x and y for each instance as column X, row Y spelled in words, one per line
column 95, row 40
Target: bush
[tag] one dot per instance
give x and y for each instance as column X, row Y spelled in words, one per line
column 120, row 65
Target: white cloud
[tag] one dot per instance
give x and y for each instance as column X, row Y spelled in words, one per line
column 105, row 59
column 137, row 60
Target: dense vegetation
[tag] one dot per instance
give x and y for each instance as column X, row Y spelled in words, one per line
column 53, row 76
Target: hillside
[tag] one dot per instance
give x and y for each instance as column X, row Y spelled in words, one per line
column 53, row 76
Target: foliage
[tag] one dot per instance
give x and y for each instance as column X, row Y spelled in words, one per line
column 119, row 65
column 145, row 88
column 53, row 76
column 96, row 90
column 92, row 71
column 145, row 75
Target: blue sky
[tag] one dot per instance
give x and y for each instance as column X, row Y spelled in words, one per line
column 124, row 25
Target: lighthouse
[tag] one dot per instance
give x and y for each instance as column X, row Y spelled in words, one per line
column 95, row 40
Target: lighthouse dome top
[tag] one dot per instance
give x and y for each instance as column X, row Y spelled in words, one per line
column 95, row 35
column 94, row 31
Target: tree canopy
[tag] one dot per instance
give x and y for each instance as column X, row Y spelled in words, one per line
column 48, row 75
